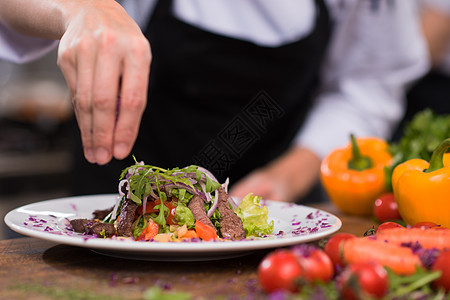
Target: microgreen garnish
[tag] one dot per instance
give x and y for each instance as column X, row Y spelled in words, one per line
column 146, row 181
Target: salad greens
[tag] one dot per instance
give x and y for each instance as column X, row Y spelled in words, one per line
column 144, row 180
column 254, row 216
column 183, row 215
column 162, row 198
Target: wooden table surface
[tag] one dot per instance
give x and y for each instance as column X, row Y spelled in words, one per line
column 35, row 269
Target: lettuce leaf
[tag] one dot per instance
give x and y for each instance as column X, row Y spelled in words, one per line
column 255, row 217
column 183, row 215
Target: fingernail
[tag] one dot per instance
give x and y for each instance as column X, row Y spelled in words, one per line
column 121, row 150
column 101, row 155
column 90, row 155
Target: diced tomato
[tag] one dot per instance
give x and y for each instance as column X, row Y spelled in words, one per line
column 150, row 208
column 150, row 231
column 169, row 218
column 204, row 231
column 190, row 234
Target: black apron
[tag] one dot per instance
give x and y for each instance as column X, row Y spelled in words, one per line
column 223, row 103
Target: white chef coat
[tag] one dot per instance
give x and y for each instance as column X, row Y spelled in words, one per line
column 375, row 51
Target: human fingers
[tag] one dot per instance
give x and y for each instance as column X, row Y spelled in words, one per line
column 104, row 101
column 75, row 61
column 133, row 96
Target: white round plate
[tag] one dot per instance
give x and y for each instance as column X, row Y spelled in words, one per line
column 48, row 220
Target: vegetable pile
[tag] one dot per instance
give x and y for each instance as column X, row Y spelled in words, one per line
column 393, row 263
column 179, row 204
column 406, row 181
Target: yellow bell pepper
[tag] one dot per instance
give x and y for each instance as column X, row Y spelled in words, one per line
column 354, row 177
column 422, row 189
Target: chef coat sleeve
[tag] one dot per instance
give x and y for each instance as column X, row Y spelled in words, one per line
column 375, row 53
column 439, row 5
column 18, row 48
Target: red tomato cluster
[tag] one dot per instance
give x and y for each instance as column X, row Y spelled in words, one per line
column 284, row 269
column 357, row 280
column 290, row 269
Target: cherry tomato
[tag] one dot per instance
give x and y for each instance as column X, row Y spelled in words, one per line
column 425, row 225
column 442, row 263
column 363, row 280
column 283, row 268
column 279, row 270
column 385, row 208
column 387, row 225
column 315, row 263
column 333, row 247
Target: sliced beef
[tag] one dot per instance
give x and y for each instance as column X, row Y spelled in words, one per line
column 101, row 229
column 197, row 207
column 126, row 218
column 78, row 225
column 100, row 214
column 230, row 223
column 93, row 227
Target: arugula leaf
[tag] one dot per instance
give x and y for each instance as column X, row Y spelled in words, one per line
column 135, row 199
column 145, row 180
column 211, row 185
column 161, row 218
column 404, row 285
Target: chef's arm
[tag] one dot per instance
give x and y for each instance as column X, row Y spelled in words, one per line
column 43, row 19
column 103, row 56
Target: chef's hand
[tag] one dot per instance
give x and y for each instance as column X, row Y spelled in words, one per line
column 104, row 56
column 287, row 179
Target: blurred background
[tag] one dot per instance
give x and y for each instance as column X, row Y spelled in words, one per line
column 35, row 138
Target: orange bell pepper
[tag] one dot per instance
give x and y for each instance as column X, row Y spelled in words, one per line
column 422, row 189
column 353, row 177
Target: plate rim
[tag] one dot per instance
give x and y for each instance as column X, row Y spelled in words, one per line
column 168, row 248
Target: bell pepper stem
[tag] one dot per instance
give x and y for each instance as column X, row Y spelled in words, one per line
column 358, row 162
column 437, row 158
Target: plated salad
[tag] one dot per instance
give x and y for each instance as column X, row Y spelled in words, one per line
column 180, row 204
